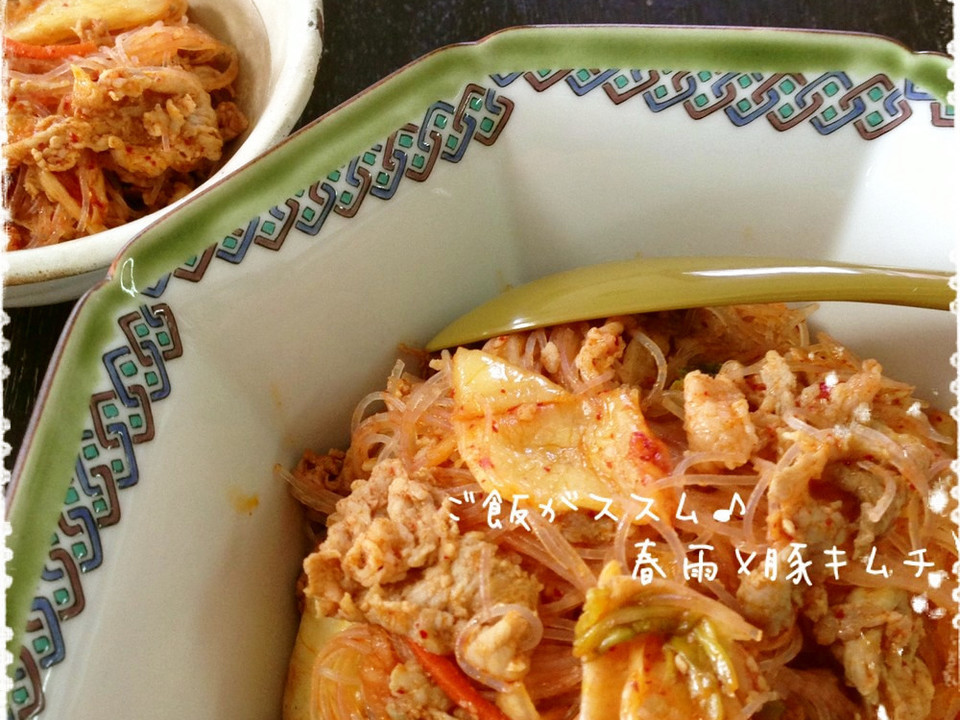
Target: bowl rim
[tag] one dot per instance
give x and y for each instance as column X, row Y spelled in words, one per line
column 32, row 267
column 376, row 110
column 332, row 139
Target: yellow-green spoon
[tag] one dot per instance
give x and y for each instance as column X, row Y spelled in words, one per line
column 671, row 283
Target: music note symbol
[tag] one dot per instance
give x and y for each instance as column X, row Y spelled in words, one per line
column 724, row 515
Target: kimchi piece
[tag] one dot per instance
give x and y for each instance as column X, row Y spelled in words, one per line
column 113, row 111
column 690, row 515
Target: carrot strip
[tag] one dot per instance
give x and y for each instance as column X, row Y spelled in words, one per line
column 16, row 48
column 452, row 680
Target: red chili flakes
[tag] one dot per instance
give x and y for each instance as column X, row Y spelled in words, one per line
column 648, row 449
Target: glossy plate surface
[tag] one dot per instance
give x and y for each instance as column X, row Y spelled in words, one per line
column 153, row 547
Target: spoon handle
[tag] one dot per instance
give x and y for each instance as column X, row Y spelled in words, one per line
column 671, row 283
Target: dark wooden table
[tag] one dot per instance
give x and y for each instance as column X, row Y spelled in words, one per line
column 368, row 39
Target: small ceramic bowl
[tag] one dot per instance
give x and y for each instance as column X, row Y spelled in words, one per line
column 279, row 42
column 155, row 553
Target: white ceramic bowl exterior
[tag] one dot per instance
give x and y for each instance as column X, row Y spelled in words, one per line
column 169, row 584
column 279, row 42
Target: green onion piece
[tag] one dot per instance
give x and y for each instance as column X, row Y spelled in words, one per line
column 589, row 639
column 702, row 683
column 615, row 637
column 706, row 634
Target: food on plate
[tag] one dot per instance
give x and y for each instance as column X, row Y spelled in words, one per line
column 113, row 110
column 696, row 514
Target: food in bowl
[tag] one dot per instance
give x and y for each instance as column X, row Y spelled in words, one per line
column 691, row 514
column 113, row 112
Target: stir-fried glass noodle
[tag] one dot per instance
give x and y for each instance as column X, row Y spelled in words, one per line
column 688, row 515
column 113, row 111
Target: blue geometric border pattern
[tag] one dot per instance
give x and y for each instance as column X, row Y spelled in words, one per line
column 445, row 134
column 827, row 102
column 121, row 417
